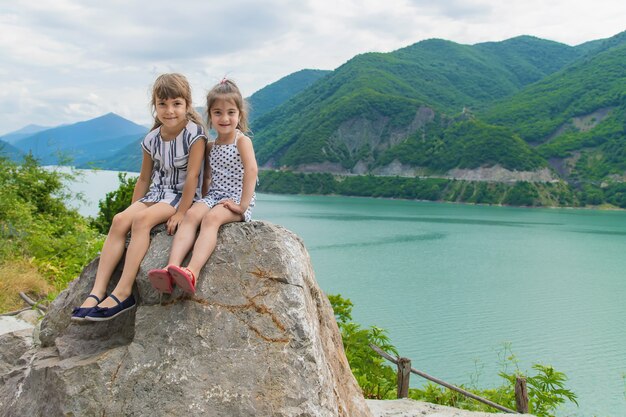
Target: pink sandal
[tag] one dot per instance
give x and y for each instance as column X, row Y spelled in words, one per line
column 161, row 280
column 183, row 277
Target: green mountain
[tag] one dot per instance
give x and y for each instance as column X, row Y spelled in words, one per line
column 81, row 143
column 528, row 58
column 576, row 117
column 275, row 94
column 383, row 105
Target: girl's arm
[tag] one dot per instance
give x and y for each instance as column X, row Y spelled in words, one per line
column 196, row 155
column 206, row 180
column 145, row 176
column 250, row 172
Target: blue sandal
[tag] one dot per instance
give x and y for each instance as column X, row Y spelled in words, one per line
column 79, row 313
column 108, row 313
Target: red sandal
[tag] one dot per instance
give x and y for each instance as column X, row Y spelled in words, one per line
column 161, row 280
column 183, row 277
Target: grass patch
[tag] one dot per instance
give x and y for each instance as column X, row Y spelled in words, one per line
column 20, row 276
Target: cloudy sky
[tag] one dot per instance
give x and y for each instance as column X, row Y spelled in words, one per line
column 64, row 61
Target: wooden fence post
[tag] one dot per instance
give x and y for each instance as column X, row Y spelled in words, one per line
column 404, row 374
column 405, row 387
column 521, row 395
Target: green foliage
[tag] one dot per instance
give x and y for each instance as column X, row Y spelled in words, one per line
column 436, row 394
column 375, row 377
column 581, row 88
column 616, row 194
column 467, row 144
column 432, row 189
column 114, row 202
column 546, row 389
column 36, row 225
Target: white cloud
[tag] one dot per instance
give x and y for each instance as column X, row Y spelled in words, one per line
column 70, row 60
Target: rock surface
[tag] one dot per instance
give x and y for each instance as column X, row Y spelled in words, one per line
column 14, row 349
column 257, row 339
column 411, row 408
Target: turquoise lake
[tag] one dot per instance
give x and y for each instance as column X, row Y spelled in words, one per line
column 454, row 284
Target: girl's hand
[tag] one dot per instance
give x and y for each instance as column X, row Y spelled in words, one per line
column 173, row 222
column 232, row 206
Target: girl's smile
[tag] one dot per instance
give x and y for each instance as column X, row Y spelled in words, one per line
column 224, row 117
column 172, row 112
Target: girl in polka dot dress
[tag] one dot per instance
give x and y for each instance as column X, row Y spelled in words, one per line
column 230, row 175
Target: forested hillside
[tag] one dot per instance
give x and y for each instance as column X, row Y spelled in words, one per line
column 544, row 110
column 576, row 117
column 375, row 102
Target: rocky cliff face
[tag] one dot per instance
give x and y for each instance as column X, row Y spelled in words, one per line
column 257, row 339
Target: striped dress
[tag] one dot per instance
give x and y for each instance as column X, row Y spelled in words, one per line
column 170, row 159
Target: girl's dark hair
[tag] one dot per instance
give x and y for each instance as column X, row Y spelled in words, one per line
column 169, row 86
column 228, row 90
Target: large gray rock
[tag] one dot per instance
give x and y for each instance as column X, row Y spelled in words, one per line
column 257, row 339
column 15, row 349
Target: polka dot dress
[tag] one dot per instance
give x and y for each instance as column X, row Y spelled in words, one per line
column 227, row 176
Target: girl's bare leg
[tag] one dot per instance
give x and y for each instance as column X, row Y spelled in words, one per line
column 142, row 223
column 112, row 250
column 186, row 234
column 207, row 238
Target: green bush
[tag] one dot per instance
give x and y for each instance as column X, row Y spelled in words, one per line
column 114, row 202
column 375, row 377
column 36, row 225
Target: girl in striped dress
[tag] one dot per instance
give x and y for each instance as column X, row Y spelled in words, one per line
column 229, row 180
column 168, row 184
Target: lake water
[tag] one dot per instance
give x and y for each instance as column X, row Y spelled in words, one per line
column 453, row 284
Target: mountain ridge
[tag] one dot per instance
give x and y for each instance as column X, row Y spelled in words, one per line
column 74, row 141
column 379, row 98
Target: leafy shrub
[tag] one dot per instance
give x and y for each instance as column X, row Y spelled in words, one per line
column 37, row 227
column 375, row 377
column 114, row 202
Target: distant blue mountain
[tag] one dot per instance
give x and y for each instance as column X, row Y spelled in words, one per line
column 22, row 133
column 9, row 151
column 81, row 143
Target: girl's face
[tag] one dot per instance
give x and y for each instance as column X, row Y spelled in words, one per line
column 172, row 113
column 224, row 117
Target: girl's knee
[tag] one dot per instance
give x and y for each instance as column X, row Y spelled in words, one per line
column 120, row 223
column 142, row 222
column 193, row 217
column 210, row 220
